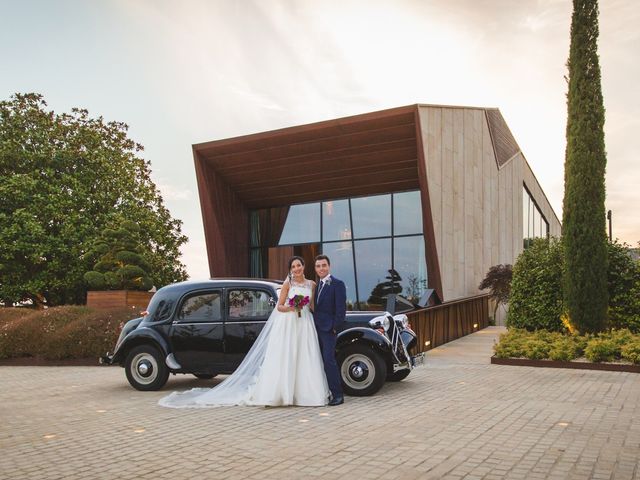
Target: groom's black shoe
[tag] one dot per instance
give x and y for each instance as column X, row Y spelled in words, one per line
column 336, row 401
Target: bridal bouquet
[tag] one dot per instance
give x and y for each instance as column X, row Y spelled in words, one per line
column 299, row 301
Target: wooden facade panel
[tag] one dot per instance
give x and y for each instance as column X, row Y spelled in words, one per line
column 469, row 198
column 297, row 152
column 118, row 299
column 431, row 126
column 444, row 323
column 447, row 195
column 489, row 202
column 431, row 255
column 377, row 156
column 226, row 225
column 478, row 201
column 320, row 182
column 458, row 218
column 502, row 216
column 299, row 134
column 516, row 200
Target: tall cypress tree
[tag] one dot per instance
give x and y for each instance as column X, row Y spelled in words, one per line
column 583, row 211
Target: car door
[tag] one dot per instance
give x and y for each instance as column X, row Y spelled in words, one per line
column 248, row 309
column 197, row 332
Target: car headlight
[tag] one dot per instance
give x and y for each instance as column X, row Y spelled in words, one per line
column 380, row 322
column 402, row 319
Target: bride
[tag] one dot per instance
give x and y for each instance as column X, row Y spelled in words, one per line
column 284, row 365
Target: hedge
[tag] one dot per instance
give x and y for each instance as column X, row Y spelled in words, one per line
column 614, row 346
column 60, row 332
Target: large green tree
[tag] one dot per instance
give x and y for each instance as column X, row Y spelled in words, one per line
column 63, row 179
column 584, row 235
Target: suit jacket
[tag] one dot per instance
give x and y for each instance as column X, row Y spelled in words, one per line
column 330, row 309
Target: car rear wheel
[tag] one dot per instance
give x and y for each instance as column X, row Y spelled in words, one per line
column 362, row 369
column 145, row 368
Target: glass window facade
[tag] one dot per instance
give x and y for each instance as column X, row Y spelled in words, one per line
column 375, row 243
column 302, row 225
column 534, row 225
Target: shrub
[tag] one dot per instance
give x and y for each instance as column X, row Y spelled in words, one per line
column 511, row 344
column 631, row 351
column 581, row 342
column 536, row 293
column 498, row 281
column 542, row 344
column 537, row 349
column 619, row 337
column 564, row 349
column 602, row 350
column 624, row 288
column 119, row 260
column 61, row 332
column 536, row 288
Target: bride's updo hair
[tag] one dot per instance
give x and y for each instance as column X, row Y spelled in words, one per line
column 291, row 260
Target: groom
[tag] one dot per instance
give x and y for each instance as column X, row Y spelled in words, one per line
column 329, row 313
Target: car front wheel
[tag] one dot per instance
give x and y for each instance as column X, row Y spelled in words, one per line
column 362, row 369
column 145, row 368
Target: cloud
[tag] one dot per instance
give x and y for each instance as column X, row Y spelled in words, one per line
column 173, row 192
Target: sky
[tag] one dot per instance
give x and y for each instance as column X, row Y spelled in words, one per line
column 185, row 72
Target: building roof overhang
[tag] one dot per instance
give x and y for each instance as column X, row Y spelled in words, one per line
column 358, row 155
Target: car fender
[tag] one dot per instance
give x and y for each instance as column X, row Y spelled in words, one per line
column 140, row 336
column 366, row 335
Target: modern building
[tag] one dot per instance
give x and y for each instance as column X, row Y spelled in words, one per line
column 410, row 198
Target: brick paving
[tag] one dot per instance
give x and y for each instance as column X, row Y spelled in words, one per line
column 457, row 417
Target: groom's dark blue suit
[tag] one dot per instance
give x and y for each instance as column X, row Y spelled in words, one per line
column 330, row 308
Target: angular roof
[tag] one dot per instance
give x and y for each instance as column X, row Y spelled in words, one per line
column 357, row 155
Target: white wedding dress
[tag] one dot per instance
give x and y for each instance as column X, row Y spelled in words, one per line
column 283, row 367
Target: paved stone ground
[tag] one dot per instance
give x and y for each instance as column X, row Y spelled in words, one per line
column 457, row 417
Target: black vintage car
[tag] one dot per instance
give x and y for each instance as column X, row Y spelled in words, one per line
column 205, row 328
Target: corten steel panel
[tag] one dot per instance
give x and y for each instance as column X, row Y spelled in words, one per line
column 314, row 131
column 226, row 224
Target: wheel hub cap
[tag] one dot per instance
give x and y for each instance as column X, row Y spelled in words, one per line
column 358, row 371
column 144, row 368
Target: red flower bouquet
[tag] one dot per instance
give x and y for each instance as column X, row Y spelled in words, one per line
column 299, row 301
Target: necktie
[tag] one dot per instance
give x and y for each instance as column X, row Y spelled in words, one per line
column 322, row 284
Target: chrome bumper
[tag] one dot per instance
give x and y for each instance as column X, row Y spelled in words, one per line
column 418, row 360
column 106, row 359
column 415, row 361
